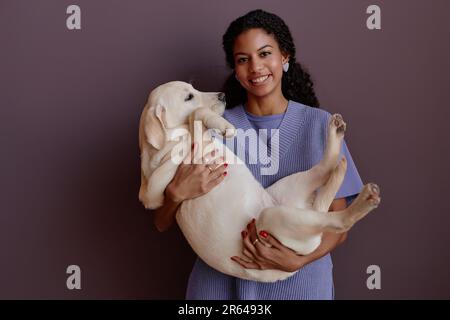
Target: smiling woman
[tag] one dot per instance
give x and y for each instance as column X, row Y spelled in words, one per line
column 256, row 46
column 259, row 71
column 268, row 89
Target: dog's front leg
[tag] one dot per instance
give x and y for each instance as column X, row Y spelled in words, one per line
column 162, row 155
column 163, row 166
column 152, row 189
column 212, row 120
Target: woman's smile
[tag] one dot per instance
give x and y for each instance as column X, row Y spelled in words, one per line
column 260, row 81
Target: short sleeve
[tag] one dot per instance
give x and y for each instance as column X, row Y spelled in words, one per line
column 352, row 184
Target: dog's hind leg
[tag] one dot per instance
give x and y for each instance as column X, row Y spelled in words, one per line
column 300, row 229
column 297, row 189
column 335, row 135
column 367, row 200
column 326, row 194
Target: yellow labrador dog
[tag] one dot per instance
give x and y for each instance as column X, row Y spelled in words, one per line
column 294, row 209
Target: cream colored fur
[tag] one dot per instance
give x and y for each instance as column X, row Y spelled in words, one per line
column 294, row 209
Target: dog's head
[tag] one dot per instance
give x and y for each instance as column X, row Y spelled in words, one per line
column 169, row 106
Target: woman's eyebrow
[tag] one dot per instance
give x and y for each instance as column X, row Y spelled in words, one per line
column 267, row 45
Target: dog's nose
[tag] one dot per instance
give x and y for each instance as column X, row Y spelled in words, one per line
column 221, row 96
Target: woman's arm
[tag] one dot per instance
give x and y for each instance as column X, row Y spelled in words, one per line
column 329, row 240
column 190, row 181
column 165, row 216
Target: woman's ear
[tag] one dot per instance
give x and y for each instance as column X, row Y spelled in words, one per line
column 154, row 127
column 284, row 58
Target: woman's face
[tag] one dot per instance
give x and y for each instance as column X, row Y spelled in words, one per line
column 258, row 62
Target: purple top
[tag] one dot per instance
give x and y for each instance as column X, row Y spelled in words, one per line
column 301, row 142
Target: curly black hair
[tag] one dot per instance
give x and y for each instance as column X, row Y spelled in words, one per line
column 296, row 84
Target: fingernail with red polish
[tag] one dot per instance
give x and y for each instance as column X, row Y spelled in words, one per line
column 244, row 234
column 253, row 220
column 225, row 173
column 263, row 234
column 225, row 165
column 248, row 226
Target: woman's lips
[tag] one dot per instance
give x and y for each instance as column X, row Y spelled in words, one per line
column 260, row 80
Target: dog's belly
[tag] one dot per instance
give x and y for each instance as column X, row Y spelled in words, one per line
column 212, row 223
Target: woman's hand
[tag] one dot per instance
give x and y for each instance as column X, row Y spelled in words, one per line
column 266, row 252
column 193, row 180
column 259, row 256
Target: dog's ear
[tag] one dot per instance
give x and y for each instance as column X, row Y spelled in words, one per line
column 154, row 127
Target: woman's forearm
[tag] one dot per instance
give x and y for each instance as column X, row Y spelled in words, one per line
column 165, row 215
column 329, row 240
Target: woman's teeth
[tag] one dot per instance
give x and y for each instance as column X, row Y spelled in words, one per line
column 260, row 79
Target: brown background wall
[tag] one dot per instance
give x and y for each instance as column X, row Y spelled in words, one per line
column 71, row 101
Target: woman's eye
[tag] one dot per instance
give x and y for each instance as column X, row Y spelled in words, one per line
column 189, row 97
column 262, row 54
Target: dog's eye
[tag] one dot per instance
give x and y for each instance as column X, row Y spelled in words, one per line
column 189, row 97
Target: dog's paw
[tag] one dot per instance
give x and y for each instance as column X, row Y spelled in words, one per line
column 371, row 193
column 227, row 129
column 218, row 108
column 337, row 123
column 230, row 132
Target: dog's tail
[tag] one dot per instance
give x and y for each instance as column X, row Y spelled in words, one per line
column 326, row 194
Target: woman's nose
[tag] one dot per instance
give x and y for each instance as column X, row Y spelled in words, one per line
column 255, row 65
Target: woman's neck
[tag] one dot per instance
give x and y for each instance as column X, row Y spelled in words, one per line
column 264, row 106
